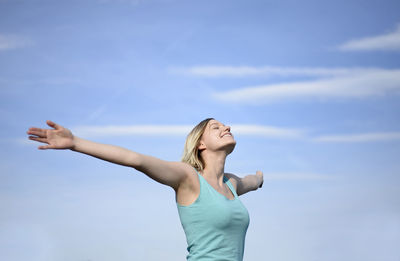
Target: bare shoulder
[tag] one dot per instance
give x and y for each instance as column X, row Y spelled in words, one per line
column 170, row 173
column 189, row 188
column 190, row 175
column 181, row 166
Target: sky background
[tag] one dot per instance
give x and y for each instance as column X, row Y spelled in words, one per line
column 311, row 90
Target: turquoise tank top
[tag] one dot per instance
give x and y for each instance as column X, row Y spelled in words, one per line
column 215, row 226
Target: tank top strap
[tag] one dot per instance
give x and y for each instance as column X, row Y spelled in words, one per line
column 230, row 186
column 206, row 191
column 204, row 183
column 196, row 171
column 199, row 175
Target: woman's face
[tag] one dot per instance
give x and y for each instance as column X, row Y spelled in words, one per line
column 216, row 137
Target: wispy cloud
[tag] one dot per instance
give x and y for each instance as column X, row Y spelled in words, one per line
column 361, row 137
column 8, row 42
column 183, row 130
column 265, row 71
column 354, row 82
column 385, row 42
column 298, row 176
column 262, row 131
column 147, row 130
column 267, row 131
column 376, row 82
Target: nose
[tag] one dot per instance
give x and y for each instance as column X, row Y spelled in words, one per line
column 228, row 128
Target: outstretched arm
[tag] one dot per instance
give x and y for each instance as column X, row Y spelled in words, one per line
column 247, row 183
column 165, row 172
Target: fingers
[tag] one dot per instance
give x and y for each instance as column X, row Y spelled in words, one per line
column 37, row 132
column 45, row 147
column 53, row 125
column 40, row 135
column 42, row 132
column 43, row 140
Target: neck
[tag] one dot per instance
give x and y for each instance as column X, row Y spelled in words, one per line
column 214, row 166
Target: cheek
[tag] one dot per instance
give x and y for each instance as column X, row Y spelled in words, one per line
column 211, row 140
column 209, row 136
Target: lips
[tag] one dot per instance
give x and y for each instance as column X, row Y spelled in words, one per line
column 227, row 134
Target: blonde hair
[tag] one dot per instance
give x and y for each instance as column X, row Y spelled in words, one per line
column 191, row 153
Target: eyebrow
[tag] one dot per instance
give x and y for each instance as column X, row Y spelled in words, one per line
column 213, row 124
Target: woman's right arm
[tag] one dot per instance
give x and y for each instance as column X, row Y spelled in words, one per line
column 165, row 172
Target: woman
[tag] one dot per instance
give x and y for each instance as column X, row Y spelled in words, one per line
column 213, row 218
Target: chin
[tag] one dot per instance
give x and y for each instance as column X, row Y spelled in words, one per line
column 230, row 147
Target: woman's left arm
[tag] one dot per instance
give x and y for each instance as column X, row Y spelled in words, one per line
column 247, row 183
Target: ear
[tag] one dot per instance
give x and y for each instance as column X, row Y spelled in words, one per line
column 201, row 146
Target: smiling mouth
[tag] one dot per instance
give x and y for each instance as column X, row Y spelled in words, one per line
column 226, row 134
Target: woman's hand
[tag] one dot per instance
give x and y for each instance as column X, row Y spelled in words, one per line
column 56, row 138
column 260, row 176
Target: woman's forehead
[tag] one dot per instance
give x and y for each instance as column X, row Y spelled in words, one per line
column 211, row 122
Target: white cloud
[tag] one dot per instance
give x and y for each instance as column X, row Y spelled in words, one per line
column 147, row 130
column 253, row 130
column 183, row 130
column 266, row 131
column 8, row 42
column 376, row 82
column 297, row 176
column 265, row 71
column 386, row 42
column 361, row 137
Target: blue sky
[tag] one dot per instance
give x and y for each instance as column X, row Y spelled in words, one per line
column 311, row 91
